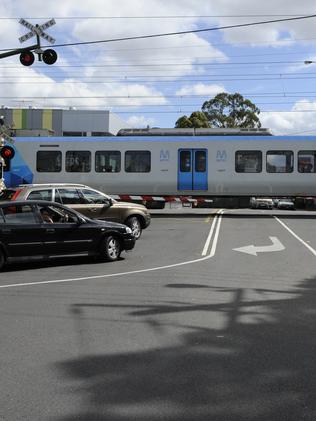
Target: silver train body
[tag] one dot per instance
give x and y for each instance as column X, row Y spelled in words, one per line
column 243, row 165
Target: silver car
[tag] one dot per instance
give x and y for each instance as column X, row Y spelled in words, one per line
column 90, row 202
column 286, row 204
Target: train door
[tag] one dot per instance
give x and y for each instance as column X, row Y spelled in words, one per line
column 192, row 169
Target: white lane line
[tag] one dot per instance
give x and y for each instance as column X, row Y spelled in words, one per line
column 296, row 236
column 216, row 223
column 214, row 245
column 207, row 242
column 110, row 275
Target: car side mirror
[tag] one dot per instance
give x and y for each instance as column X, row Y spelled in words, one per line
column 108, row 203
column 80, row 221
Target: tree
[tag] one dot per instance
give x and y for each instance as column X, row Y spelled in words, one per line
column 197, row 119
column 231, row 110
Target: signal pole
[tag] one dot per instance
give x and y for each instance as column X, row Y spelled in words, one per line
column 2, row 185
column 5, row 151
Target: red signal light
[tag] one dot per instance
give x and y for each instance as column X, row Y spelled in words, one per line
column 7, row 152
column 27, row 58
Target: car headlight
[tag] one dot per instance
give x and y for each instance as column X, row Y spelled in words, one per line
column 128, row 230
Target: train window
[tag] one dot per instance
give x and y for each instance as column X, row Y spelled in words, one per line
column 78, row 161
column 137, row 161
column 306, row 161
column 48, row 161
column 280, row 161
column 248, row 161
column 108, row 161
column 185, row 161
column 200, row 161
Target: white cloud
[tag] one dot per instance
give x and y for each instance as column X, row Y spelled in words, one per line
column 201, row 89
column 140, row 121
column 139, row 68
column 300, row 120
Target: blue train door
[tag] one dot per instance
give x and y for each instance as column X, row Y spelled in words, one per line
column 192, row 169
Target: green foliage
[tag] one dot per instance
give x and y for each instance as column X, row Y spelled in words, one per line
column 231, row 110
column 197, row 120
column 223, row 111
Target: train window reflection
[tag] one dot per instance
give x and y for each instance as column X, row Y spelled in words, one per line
column 108, row 161
column 91, row 196
column 21, row 214
column 306, row 161
column 48, row 161
column 137, row 161
column 70, row 196
column 78, row 161
column 45, row 194
column 280, row 161
column 248, row 161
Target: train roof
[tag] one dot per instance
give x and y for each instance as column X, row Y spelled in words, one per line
column 55, row 141
column 239, row 131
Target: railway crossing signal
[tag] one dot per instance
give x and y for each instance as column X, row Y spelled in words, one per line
column 26, row 55
column 48, row 56
column 7, row 152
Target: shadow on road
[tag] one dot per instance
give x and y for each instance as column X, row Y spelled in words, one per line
column 264, row 370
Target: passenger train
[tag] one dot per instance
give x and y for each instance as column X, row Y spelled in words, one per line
column 172, row 162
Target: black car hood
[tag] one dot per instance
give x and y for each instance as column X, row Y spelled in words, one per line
column 108, row 224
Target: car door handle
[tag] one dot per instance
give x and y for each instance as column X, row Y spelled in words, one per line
column 50, row 230
column 93, row 210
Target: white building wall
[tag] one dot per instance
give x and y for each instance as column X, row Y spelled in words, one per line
column 116, row 123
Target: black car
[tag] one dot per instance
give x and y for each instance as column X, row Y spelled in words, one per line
column 90, row 202
column 43, row 230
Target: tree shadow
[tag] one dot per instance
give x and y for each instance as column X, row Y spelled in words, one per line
column 262, row 371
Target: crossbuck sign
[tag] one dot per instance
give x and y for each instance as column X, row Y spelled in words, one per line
column 37, row 30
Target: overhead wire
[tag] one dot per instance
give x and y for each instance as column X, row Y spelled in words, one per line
column 155, row 17
column 289, row 94
column 192, row 31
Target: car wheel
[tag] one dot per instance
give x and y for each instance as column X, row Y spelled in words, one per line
column 110, row 249
column 134, row 224
column 2, row 259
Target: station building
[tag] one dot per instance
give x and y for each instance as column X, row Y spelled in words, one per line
column 61, row 122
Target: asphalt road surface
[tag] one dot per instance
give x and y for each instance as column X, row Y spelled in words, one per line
column 210, row 317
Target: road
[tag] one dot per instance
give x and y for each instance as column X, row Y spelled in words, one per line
column 191, row 325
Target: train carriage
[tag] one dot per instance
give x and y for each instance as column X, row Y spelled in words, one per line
column 251, row 163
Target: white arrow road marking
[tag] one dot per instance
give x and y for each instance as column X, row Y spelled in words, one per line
column 276, row 246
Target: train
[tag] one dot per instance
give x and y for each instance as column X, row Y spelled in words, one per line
column 162, row 163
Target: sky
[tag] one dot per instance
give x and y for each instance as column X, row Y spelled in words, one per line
column 154, row 81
